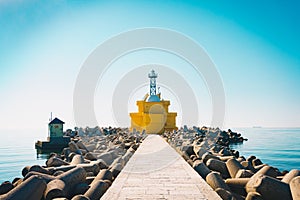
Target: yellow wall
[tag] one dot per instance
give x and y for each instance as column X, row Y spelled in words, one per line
column 154, row 117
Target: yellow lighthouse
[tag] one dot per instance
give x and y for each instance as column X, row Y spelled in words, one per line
column 153, row 114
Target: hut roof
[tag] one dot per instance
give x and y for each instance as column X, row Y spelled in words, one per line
column 56, row 121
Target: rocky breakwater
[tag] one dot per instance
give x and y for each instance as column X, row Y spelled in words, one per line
column 84, row 170
column 231, row 175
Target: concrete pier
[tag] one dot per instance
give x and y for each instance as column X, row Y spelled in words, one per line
column 157, row 171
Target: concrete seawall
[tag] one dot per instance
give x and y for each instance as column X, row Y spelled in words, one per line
column 157, row 171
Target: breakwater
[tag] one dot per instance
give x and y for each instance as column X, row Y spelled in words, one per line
column 84, row 170
column 271, row 145
column 230, row 174
column 100, row 153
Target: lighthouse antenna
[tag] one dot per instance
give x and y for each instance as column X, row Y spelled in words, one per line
column 50, row 117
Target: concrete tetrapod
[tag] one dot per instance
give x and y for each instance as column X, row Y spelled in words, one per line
column 116, row 169
column 74, row 148
column 35, row 168
column 253, row 196
column 104, row 174
column 199, row 150
column 241, row 159
column 108, row 157
column 6, row 187
column 90, row 167
column 77, row 159
column 127, row 156
column 33, row 188
column 97, row 189
column 295, row 188
column 201, row 168
column 98, row 186
column 90, row 156
column 100, row 163
column 256, row 162
column 259, row 167
column 55, row 162
column 266, row 170
column 215, row 181
column 80, row 188
column 47, row 178
column 80, row 197
column 73, row 176
column 233, row 167
column 269, row 188
column 38, row 168
column 219, row 166
column 244, row 173
column 17, row 181
column 248, row 165
column 207, row 156
column 61, row 186
column 250, row 158
column 289, row 176
column 55, row 188
column 118, row 160
column 225, row 158
column 224, row 194
column 80, row 145
column 237, row 185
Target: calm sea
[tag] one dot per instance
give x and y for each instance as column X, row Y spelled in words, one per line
column 17, row 151
column 277, row 147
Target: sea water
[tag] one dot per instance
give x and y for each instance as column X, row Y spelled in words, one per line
column 277, row 147
column 17, row 151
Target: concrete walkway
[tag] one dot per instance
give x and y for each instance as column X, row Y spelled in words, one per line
column 157, row 171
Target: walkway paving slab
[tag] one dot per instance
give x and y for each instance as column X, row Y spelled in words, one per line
column 157, row 171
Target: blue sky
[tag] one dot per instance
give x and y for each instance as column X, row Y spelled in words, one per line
column 255, row 46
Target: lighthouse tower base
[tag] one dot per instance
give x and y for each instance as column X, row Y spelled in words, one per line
column 153, row 117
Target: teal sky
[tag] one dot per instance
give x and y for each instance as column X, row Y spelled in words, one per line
column 255, row 46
